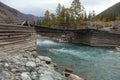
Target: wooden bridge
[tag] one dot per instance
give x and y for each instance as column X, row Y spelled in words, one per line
column 92, row 37
column 54, row 30
column 14, row 37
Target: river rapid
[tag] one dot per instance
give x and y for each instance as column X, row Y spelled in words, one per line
column 91, row 63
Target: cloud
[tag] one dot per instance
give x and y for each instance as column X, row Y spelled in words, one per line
column 95, row 2
column 38, row 7
column 98, row 6
column 30, row 6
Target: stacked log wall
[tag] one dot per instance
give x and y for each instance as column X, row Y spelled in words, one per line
column 97, row 38
column 13, row 37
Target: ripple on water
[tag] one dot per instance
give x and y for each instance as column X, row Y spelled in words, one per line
column 90, row 62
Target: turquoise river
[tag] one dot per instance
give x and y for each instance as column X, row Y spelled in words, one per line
column 91, row 63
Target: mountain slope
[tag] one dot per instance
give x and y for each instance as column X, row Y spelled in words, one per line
column 111, row 13
column 9, row 15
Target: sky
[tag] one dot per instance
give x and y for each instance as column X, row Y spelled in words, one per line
column 38, row 7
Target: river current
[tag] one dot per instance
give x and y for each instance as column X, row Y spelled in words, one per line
column 91, row 63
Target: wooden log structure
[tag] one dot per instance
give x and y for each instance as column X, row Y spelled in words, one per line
column 13, row 37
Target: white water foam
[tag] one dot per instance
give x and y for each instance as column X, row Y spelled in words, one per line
column 46, row 42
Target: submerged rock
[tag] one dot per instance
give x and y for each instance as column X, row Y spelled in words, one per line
column 44, row 77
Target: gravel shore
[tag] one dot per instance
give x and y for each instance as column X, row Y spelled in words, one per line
column 28, row 65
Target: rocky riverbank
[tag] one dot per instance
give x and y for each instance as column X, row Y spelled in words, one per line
column 28, row 65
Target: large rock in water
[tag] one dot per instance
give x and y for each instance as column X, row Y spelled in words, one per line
column 45, row 58
column 75, row 77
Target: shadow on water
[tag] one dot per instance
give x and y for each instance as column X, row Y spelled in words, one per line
column 92, row 63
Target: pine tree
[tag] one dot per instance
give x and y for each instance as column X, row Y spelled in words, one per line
column 85, row 16
column 58, row 9
column 93, row 14
column 67, row 17
column 38, row 22
column 90, row 15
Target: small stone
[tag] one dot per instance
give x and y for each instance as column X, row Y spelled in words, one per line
column 37, row 60
column 16, row 61
column 33, row 77
column 68, row 70
column 67, row 74
column 6, row 74
column 30, row 64
column 3, row 60
column 17, row 78
column 41, row 57
column 24, row 56
column 40, row 71
column 1, row 64
column 48, row 62
column 12, row 78
column 31, row 59
column 55, row 66
column 47, row 59
column 22, row 69
column 35, row 55
column 17, row 57
column 25, row 76
column 30, row 69
column 34, row 73
column 38, row 64
column 6, row 64
column 6, row 69
column 14, row 70
column 18, row 74
column 23, row 60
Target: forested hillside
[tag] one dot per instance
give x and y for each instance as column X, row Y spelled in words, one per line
column 111, row 14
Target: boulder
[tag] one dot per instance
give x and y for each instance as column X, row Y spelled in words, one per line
column 45, row 58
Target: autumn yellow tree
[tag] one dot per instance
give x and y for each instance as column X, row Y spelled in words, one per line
column 53, row 20
column 104, row 22
column 47, row 21
column 117, row 18
column 60, row 15
column 76, row 12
